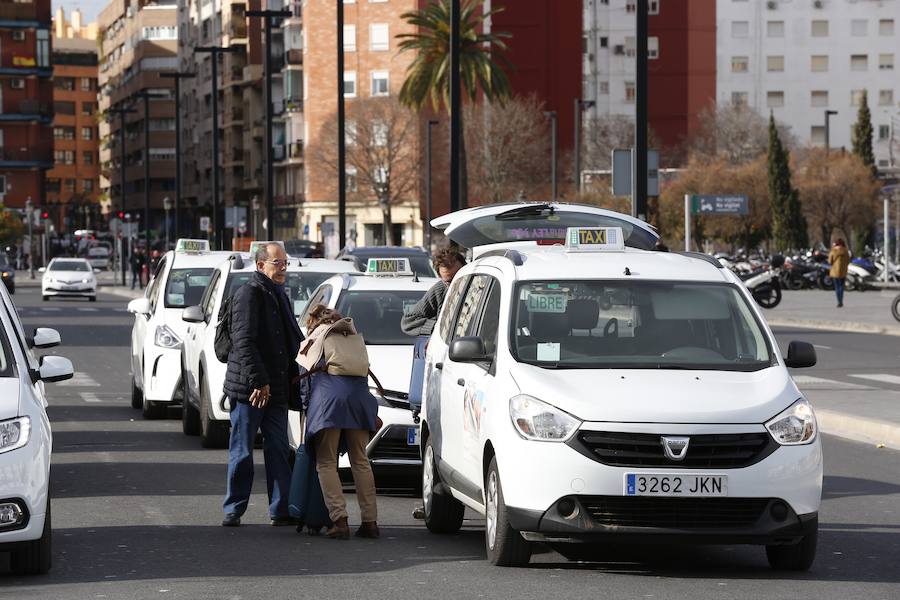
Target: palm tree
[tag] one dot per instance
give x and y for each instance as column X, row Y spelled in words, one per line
column 428, row 76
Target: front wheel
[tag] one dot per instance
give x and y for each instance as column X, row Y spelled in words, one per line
column 190, row 417
column 769, row 297
column 137, row 397
column 443, row 512
column 895, row 308
column 795, row 557
column 213, row 434
column 505, row 546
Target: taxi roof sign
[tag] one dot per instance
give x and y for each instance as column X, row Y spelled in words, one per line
column 255, row 244
column 188, row 246
column 595, row 239
column 388, row 266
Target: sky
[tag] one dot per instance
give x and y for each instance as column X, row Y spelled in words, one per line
column 89, row 8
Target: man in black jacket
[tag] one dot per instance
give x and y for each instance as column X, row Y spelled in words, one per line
column 265, row 339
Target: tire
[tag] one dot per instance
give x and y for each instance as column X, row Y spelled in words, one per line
column 35, row 557
column 895, row 308
column 45, row 298
column 769, row 298
column 850, row 283
column 213, row 434
column 505, row 546
column 137, row 396
column 190, row 416
column 12, row 289
column 153, row 411
column 826, row 282
column 795, row 557
column 92, row 298
column 443, row 512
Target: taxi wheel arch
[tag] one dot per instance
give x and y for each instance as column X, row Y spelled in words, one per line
column 505, row 546
column 151, row 410
column 190, row 416
column 137, row 396
column 443, row 512
column 213, row 434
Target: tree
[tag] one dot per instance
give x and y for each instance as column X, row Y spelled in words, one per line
column 862, row 135
column 508, row 148
column 428, row 76
column 788, row 223
column 733, row 132
column 381, row 140
column 11, row 227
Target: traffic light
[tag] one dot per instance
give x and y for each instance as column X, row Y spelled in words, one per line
column 45, row 215
column 121, row 214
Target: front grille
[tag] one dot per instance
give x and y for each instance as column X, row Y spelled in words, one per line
column 392, row 445
column 707, row 451
column 674, row 513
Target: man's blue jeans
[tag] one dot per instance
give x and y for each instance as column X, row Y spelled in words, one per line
column 245, row 422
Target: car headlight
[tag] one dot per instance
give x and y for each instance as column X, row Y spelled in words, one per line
column 14, row 433
column 166, row 338
column 537, row 420
column 5, row 275
column 795, row 426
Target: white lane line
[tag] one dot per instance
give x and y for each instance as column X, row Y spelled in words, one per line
column 79, row 380
column 808, row 382
column 89, row 397
column 88, row 309
column 51, row 309
column 822, row 347
column 880, row 377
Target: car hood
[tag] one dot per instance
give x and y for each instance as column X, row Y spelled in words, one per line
column 661, row 396
column 392, row 366
column 9, row 398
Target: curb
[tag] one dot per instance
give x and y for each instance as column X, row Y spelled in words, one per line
column 849, row 326
column 121, row 292
column 859, row 429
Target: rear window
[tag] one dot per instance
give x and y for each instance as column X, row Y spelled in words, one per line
column 185, row 287
column 298, row 285
column 377, row 314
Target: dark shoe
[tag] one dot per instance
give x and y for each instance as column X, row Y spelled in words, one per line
column 840, row 305
column 231, row 521
column 340, row 530
column 369, row 529
column 284, row 522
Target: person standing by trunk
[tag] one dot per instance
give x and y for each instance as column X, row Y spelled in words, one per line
column 839, row 259
column 265, row 338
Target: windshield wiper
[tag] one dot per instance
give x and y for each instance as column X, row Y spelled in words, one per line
column 529, row 210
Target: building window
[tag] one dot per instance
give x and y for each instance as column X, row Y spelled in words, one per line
column 819, row 98
column 63, row 133
column 349, row 84
column 884, row 132
column 856, row 97
column 87, row 84
column 350, row 179
column 886, row 62
column 739, row 98
column 87, row 133
column 652, row 48
column 67, row 84
column 64, row 157
column 604, row 42
column 379, row 37
column 859, row 27
column 819, row 63
column 817, row 134
column 740, row 29
column 349, row 38
column 886, row 98
column 859, row 62
column 886, row 27
column 774, row 99
column 68, row 185
column 820, row 28
column 17, row 83
column 53, row 185
column 630, row 46
column 604, row 87
column 380, row 83
column 160, row 32
column 87, row 185
column 653, row 7
column 775, row 63
column 630, row 6
column 380, row 133
column 740, row 64
column 18, row 35
column 43, row 48
column 629, row 92
column 87, row 157
column 87, row 108
column 775, row 29
column 162, row 153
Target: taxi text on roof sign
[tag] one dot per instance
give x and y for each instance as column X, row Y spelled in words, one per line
column 388, row 266
column 594, row 239
column 187, row 246
column 254, row 245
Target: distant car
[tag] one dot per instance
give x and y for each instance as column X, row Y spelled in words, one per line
column 98, row 256
column 69, row 277
column 419, row 259
column 8, row 273
column 303, row 249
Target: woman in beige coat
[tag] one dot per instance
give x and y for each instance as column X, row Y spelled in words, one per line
column 839, row 259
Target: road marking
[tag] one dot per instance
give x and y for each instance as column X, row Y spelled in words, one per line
column 89, row 397
column 808, row 382
column 880, row 377
column 79, row 380
column 50, row 309
column 822, row 347
column 88, row 310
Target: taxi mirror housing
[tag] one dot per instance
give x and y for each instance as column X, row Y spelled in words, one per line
column 139, row 306
column 800, row 355
column 44, row 337
column 55, row 368
column 193, row 314
column 468, row 349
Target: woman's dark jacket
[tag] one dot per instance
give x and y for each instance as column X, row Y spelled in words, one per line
column 265, row 339
column 336, row 402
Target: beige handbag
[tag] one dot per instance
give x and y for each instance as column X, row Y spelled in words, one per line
column 345, row 353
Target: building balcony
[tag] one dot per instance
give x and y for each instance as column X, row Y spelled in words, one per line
column 288, row 153
column 235, row 116
column 26, row 158
column 288, row 199
column 293, row 57
column 237, row 28
column 28, row 111
column 18, row 11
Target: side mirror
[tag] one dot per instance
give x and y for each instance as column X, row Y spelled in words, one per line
column 139, row 306
column 193, row 314
column 468, row 350
column 44, row 337
column 800, row 355
column 41, row 270
column 55, row 368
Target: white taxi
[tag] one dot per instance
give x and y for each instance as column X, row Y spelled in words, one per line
column 592, row 392
column 158, row 332
column 205, row 410
column 68, row 277
column 26, row 440
column 377, row 300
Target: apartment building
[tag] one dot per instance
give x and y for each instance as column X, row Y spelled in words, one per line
column 73, row 184
column 799, row 59
column 681, row 71
column 138, row 41
column 26, row 101
column 75, row 28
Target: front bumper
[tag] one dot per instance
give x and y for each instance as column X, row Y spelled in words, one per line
column 162, row 374
column 25, row 481
column 74, row 291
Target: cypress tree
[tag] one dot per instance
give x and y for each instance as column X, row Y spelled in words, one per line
column 788, row 223
column 862, row 135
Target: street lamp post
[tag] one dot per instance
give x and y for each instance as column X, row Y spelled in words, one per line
column 341, row 141
column 828, row 114
column 639, row 158
column 177, row 77
column 122, row 112
column 431, row 124
column 254, row 204
column 455, row 107
column 552, row 116
column 214, row 52
column 167, row 206
column 579, row 106
column 29, row 216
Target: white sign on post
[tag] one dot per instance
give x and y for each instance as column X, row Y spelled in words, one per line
column 204, row 224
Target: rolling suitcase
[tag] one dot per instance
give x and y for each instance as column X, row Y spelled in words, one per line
column 305, row 501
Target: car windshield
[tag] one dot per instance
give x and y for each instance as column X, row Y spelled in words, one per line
column 70, row 265
column 299, row 285
column 542, row 223
column 185, row 286
column 637, row 325
column 377, row 314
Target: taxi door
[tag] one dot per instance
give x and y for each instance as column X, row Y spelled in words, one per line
column 195, row 335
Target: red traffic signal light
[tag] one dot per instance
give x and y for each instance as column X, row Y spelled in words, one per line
column 45, row 215
column 121, row 214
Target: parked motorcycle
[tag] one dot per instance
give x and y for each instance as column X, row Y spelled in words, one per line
column 765, row 284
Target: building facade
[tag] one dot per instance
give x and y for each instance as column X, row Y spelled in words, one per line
column 799, row 59
column 75, row 28
column 681, row 71
column 26, row 101
column 138, row 41
column 73, row 184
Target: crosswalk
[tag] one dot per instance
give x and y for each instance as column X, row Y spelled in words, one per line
column 853, row 382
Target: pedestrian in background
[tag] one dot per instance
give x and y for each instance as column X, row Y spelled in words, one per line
column 421, row 318
column 341, row 414
column 137, row 261
column 265, row 338
column 839, row 259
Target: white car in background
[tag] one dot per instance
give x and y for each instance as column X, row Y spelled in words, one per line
column 98, row 256
column 26, row 440
column 377, row 300
column 204, row 411
column 158, row 332
column 70, row 278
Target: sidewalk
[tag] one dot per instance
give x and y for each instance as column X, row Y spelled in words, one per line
column 863, row 312
column 111, row 283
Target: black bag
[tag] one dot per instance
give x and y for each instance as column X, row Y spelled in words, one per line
column 222, row 342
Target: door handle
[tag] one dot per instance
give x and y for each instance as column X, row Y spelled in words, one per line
column 439, row 366
column 461, row 382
